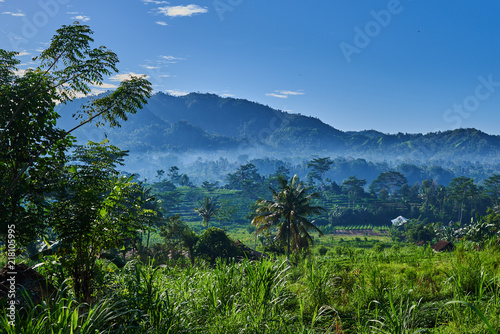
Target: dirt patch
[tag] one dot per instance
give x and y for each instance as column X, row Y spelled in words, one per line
column 360, row 233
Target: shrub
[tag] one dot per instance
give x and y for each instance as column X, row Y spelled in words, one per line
column 322, row 250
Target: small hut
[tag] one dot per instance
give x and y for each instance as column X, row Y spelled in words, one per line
column 248, row 252
column 399, row 221
column 443, row 246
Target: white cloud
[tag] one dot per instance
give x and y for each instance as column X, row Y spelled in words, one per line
column 149, row 67
column 156, row 2
column 283, row 94
column 165, row 76
column 227, row 95
column 23, row 53
column 161, row 23
column 19, row 13
column 20, row 73
column 105, row 85
column 277, row 95
column 176, row 92
column 82, row 18
column 171, row 59
column 126, row 76
column 188, row 10
column 288, row 92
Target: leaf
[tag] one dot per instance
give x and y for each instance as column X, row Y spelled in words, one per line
column 72, row 169
column 479, row 313
column 103, row 212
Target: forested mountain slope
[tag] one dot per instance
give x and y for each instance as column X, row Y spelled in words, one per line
column 206, row 122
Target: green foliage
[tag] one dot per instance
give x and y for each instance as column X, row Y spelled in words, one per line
column 407, row 290
column 354, row 188
column 178, row 236
column 66, row 315
column 390, row 181
column 95, row 210
column 398, row 318
column 322, row 251
column 245, row 178
column 35, row 147
column 207, row 209
column 214, row 243
column 288, row 212
column 319, row 167
column 226, row 212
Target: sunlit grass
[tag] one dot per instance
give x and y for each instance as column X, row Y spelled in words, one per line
column 394, row 289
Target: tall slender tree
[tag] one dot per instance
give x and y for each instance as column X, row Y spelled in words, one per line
column 288, row 211
column 33, row 148
column 319, row 167
column 354, row 188
column 207, row 209
column 95, row 209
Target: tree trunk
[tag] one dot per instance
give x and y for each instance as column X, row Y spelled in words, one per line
column 288, row 243
column 191, row 255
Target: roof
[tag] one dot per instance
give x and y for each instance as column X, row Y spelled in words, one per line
column 399, row 221
column 249, row 253
column 442, row 245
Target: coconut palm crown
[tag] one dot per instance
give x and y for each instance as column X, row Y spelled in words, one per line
column 288, row 211
column 207, row 209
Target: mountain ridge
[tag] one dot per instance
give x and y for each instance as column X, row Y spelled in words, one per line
column 208, row 122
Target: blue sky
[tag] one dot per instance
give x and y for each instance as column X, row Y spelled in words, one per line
column 393, row 66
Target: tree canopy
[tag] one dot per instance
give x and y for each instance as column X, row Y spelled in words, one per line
column 34, row 147
column 288, row 211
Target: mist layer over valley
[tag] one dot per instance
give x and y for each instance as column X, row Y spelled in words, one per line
column 208, row 136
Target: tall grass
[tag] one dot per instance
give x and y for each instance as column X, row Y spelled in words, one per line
column 65, row 315
column 349, row 291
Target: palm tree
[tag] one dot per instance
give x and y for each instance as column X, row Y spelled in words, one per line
column 288, row 211
column 207, row 209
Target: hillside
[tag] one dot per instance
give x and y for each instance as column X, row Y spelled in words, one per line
column 209, row 123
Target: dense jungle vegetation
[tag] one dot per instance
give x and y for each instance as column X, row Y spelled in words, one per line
column 263, row 250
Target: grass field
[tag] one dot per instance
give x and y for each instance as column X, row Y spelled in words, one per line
column 353, row 288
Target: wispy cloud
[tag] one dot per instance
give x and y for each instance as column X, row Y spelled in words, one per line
column 277, row 95
column 155, row 2
column 175, row 11
column 23, row 53
column 82, row 18
column 176, row 92
column 289, row 92
column 283, row 94
column 105, row 85
column 171, row 59
column 227, row 95
column 161, row 23
column 19, row 13
column 149, row 67
column 125, row 76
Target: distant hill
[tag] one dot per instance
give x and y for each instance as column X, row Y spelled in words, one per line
column 210, row 123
